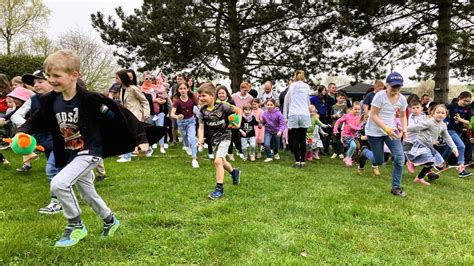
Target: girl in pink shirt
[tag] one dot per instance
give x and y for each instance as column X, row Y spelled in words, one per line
column 352, row 124
column 259, row 131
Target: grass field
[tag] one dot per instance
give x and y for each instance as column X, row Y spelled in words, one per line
column 276, row 215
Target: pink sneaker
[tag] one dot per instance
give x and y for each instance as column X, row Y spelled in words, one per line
column 411, row 167
column 348, row 161
column 309, row 156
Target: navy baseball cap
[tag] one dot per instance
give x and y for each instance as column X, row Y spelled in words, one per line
column 395, row 79
column 30, row 78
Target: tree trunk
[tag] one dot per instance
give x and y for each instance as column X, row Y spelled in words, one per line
column 235, row 76
column 236, row 69
column 443, row 44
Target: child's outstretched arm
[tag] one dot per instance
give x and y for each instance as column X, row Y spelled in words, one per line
column 201, row 134
column 338, row 122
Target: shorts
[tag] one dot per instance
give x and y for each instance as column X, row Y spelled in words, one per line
column 299, row 121
column 347, row 141
column 221, row 148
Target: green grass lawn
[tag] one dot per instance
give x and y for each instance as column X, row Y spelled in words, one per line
column 276, row 213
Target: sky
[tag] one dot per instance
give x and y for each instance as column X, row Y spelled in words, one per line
column 66, row 14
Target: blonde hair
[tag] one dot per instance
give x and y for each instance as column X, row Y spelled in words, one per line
column 299, row 75
column 312, row 108
column 378, row 84
column 65, row 60
column 247, row 106
column 245, row 84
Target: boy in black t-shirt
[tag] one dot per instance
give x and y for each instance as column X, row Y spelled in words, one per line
column 214, row 115
column 84, row 127
column 247, row 132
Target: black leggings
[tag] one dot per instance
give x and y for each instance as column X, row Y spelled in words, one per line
column 298, row 136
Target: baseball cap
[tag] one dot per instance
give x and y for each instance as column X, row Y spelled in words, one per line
column 395, row 79
column 30, row 78
column 21, row 94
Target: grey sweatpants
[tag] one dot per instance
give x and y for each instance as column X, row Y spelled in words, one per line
column 78, row 172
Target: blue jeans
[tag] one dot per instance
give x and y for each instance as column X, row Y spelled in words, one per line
column 459, row 144
column 188, row 132
column 268, row 139
column 51, row 169
column 159, row 122
column 376, row 156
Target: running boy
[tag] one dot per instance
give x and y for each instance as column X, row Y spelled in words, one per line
column 85, row 126
column 215, row 115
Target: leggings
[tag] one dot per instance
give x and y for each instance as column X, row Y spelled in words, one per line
column 298, row 141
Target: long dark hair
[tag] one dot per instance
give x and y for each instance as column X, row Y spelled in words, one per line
column 321, row 88
column 177, row 94
column 134, row 75
column 123, row 76
column 222, row 87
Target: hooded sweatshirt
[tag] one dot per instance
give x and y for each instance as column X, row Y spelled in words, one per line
column 274, row 121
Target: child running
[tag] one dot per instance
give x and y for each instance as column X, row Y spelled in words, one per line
column 275, row 125
column 215, row 116
column 82, row 133
column 182, row 111
column 259, row 130
column 416, row 117
column 313, row 139
column 427, row 132
column 352, row 124
column 247, row 133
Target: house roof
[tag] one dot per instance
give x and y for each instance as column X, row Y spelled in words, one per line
column 359, row 89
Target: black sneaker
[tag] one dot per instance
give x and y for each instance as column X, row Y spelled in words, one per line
column 297, row 165
column 464, row 173
column 236, row 176
column 109, row 229
column 101, row 178
column 24, row 168
column 398, row 192
column 432, row 176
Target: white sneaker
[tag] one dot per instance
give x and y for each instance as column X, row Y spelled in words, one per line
column 188, row 151
column 211, row 156
column 184, row 148
column 162, row 150
column 230, row 157
column 200, row 148
column 252, row 157
column 205, row 146
column 149, row 153
column 195, row 163
column 333, row 156
column 268, row 160
column 241, row 155
column 341, row 156
column 124, row 160
column 53, row 207
column 277, row 156
column 165, row 145
column 154, row 146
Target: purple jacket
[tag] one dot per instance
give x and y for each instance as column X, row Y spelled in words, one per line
column 274, row 121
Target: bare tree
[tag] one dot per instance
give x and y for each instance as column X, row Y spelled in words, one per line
column 98, row 64
column 20, row 17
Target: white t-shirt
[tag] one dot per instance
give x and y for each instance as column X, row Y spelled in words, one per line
column 387, row 113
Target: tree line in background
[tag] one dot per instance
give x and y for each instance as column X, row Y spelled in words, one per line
column 257, row 39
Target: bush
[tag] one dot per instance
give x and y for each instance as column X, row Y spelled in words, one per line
column 17, row 65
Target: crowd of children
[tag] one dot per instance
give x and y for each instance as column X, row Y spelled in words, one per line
column 78, row 128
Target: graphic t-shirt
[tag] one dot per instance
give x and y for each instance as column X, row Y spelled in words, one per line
column 67, row 116
column 248, row 126
column 216, row 121
column 386, row 114
column 184, row 108
column 464, row 113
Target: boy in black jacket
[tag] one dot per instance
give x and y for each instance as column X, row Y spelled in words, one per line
column 85, row 127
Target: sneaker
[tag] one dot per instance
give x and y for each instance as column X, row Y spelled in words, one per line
column 53, row 207
column 101, row 178
column 259, row 155
column 333, row 156
column 109, row 229
column 244, row 159
column 211, row 156
column 154, row 146
column 302, row 164
column 360, row 171
column 398, row 192
column 432, row 176
column 162, row 150
column 5, row 162
column 72, row 235
column 241, row 155
column 200, row 148
column 421, row 181
column 205, row 146
column 165, row 146
column 410, row 167
column 341, row 156
column 216, row 194
column 236, row 176
column 267, row 160
column 252, row 157
column 230, row 157
column 188, row 151
column 297, row 165
column 464, row 173
column 347, row 161
column 149, row 152
column 184, row 148
column 124, row 160
column 309, row 156
column 376, row 170
column 276, row 156
column 24, row 168
column 195, row 163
